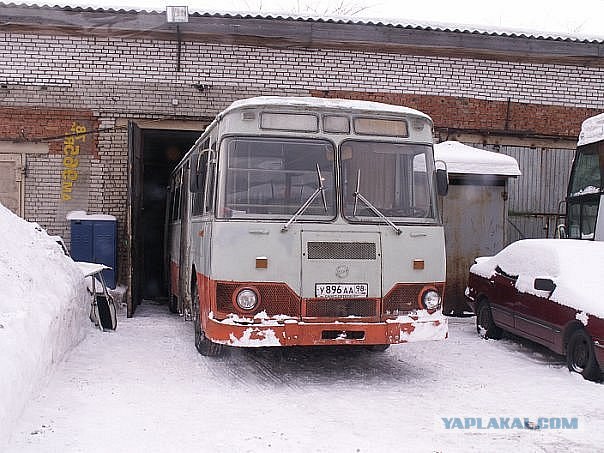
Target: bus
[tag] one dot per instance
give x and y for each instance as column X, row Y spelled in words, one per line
column 585, row 200
column 308, row 221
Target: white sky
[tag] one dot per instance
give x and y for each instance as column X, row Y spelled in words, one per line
column 578, row 18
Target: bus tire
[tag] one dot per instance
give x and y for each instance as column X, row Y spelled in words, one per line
column 172, row 300
column 485, row 326
column 580, row 356
column 203, row 345
column 173, row 304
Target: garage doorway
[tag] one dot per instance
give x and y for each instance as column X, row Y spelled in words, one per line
column 154, row 154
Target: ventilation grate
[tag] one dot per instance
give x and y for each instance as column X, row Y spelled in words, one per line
column 341, row 251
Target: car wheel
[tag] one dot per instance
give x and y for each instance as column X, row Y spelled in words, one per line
column 580, row 356
column 485, row 326
column 203, row 345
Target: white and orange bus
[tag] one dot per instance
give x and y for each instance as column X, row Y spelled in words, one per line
column 308, row 221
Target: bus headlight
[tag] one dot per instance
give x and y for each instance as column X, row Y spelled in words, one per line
column 431, row 300
column 247, row 299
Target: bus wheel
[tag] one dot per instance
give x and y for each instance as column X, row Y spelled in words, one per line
column 485, row 326
column 203, row 345
column 173, row 304
column 580, row 356
column 172, row 299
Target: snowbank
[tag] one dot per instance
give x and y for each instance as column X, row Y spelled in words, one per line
column 43, row 312
column 575, row 266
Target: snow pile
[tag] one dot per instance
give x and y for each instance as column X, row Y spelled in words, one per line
column 592, row 130
column 575, row 266
column 464, row 159
column 43, row 311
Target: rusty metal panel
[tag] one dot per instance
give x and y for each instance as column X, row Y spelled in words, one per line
column 474, row 218
column 534, row 197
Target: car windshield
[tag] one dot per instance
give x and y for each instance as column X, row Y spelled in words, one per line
column 274, row 177
column 392, row 178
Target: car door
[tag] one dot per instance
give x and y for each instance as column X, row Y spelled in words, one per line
column 533, row 317
column 503, row 297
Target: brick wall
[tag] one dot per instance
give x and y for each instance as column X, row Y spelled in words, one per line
column 473, row 114
column 46, row 80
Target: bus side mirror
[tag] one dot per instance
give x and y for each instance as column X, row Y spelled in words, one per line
column 442, row 182
column 442, row 178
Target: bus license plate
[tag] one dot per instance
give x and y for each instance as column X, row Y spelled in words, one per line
column 340, row 290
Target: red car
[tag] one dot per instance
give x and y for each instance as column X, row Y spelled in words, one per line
column 549, row 291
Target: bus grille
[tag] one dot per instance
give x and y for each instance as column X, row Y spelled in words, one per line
column 341, row 308
column 341, row 251
column 275, row 298
column 405, row 297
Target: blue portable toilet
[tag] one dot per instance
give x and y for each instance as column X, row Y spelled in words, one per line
column 94, row 240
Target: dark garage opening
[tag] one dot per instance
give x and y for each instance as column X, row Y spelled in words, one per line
column 161, row 152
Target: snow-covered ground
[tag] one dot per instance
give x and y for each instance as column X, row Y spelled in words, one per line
column 144, row 388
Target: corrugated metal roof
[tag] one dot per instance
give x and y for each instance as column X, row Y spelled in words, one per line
column 424, row 26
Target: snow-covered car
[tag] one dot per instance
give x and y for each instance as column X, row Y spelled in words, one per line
column 549, row 291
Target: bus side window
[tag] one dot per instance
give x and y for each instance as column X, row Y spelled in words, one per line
column 211, row 175
column 198, row 171
column 176, row 199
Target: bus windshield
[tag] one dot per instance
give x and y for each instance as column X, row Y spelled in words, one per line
column 390, row 177
column 587, row 171
column 273, row 177
column 584, row 191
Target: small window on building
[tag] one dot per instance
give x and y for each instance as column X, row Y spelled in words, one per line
column 289, row 122
column 380, row 126
column 336, row 124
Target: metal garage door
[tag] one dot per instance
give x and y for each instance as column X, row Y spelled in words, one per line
column 534, row 196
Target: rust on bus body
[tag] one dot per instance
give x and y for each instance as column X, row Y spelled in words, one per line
column 295, row 331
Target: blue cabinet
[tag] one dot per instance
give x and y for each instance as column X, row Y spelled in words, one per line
column 95, row 241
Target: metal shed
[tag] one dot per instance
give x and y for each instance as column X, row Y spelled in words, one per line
column 474, row 212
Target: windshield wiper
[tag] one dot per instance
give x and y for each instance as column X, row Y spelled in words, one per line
column 307, row 203
column 357, row 196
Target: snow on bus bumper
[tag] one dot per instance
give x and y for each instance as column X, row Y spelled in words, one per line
column 292, row 332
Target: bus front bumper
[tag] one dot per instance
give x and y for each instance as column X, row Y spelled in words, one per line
column 292, row 332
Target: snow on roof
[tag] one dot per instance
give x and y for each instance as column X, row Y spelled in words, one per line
column 428, row 25
column 81, row 215
column 464, row 159
column 324, row 103
column 592, row 130
column 575, row 266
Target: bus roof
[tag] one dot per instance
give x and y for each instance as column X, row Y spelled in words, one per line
column 324, row 103
column 592, row 130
